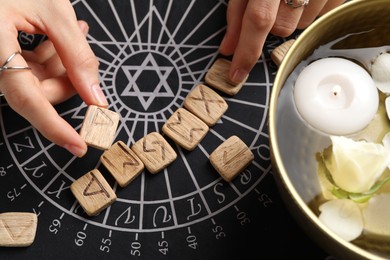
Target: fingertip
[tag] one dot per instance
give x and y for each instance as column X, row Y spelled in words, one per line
column 76, row 150
column 100, row 98
column 84, row 27
column 238, row 75
column 223, row 46
column 242, row 63
column 228, row 45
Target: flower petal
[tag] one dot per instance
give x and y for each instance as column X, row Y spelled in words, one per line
column 343, row 217
column 356, row 165
column 380, row 72
column 377, row 214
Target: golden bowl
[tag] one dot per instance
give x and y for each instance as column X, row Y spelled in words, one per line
column 294, row 145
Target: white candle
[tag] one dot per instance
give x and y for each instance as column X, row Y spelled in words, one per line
column 336, row 96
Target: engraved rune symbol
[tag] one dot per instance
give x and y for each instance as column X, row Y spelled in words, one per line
column 101, row 118
column 205, row 100
column 189, row 137
column 16, row 233
column 93, row 180
column 227, row 160
column 151, row 150
column 132, row 161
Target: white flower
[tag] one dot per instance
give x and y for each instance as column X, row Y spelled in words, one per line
column 355, row 166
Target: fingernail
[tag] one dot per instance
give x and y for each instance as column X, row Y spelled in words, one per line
column 239, row 75
column 84, row 27
column 85, row 30
column 76, row 150
column 99, row 95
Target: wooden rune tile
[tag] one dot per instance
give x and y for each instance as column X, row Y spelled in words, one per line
column 17, row 229
column 185, row 129
column 122, row 163
column 206, row 104
column 277, row 55
column 231, row 158
column 99, row 127
column 154, row 151
column 93, row 192
column 218, row 77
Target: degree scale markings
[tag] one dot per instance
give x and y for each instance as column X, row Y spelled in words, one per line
column 134, row 120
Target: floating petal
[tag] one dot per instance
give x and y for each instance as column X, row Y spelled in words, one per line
column 343, row 217
column 380, row 72
column 377, row 215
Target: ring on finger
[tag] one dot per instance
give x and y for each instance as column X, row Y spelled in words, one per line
column 5, row 67
column 297, row 3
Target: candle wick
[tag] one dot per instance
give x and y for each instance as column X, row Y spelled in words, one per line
column 336, row 90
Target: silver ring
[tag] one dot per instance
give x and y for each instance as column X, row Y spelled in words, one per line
column 5, row 67
column 296, row 3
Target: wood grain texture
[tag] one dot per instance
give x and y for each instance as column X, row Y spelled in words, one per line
column 123, row 164
column 99, row 127
column 277, row 55
column 206, row 104
column 218, row 77
column 17, row 229
column 154, row 151
column 93, row 192
column 186, row 129
column 231, row 158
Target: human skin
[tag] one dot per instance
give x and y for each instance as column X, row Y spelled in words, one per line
column 65, row 65
column 60, row 67
column 249, row 22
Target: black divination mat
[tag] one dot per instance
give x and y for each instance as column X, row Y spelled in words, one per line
column 152, row 53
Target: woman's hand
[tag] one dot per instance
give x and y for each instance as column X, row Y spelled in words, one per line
column 60, row 67
column 250, row 21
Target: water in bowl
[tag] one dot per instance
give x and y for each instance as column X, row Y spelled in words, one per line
column 302, row 143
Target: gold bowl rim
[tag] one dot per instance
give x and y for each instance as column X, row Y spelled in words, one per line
column 348, row 7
